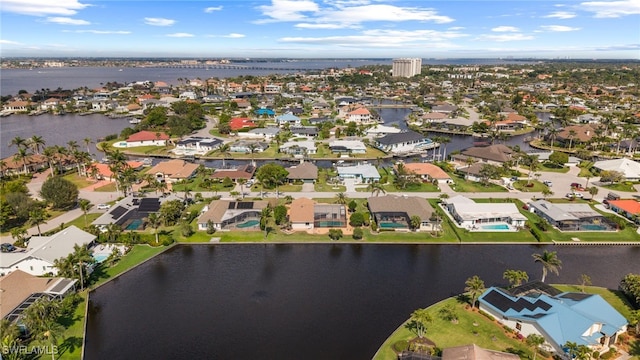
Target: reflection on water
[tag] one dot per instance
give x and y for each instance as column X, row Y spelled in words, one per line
column 331, row 301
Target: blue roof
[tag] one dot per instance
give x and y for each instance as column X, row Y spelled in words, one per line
column 562, row 318
column 265, row 111
column 287, row 117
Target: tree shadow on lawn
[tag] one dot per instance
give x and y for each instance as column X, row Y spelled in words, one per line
column 70, row 344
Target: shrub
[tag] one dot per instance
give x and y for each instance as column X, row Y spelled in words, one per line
column 356, row 219
column 60, row 192
column 400, row 345
column 358, row 233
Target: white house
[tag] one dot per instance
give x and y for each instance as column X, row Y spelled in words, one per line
column 197, row 145
column 42, row 251
column 144, row 138
column 472, row 215
column 299, row 147
column 347, row 146
column 363, row 173
column 628, row 167
column 359, row 116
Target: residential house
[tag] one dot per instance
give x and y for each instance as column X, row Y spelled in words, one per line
column 144, row 138
column 306, row 214
column 382, row 130
column 575, row 134
column 50, row 104
column 428, row 172
column 472, row 215
column 197, row 145
column 20, row 289
column 103, row 171
column 629, row 208
column 347, row 147
column 173, row 170
column 496, row 154
column 241, row 172
column 129, row 212
column 359, row 116
column 16, row 106
column 305, row 131
column 288, row 118
column 265, row 112
column 458, row 123
column 362, row 173
column 241, row 123
column 32, row 163
column 404, row 142
column 268, row 133
column 306, row 172
column 300, row 148
column 430, row 117
column 629, row 168
column 248, row 147
column 571, row 216
column 392, row 212
column 42, row 251
column 559, row 317
column 511, row 122
column 444, row 108
column 225, row 215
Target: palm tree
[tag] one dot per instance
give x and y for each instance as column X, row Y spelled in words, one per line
column 474, row 288
column 469, row 161
column 224, row 152
column 415, row 222
column 535, row 340
column 18, row 142
column 87, row 141
column 241, row 182
column 515, row 277
column 37, row 216
column 420, row 318
column 549, row 261
column 376, row 188
column 553, row 133
column 22, row 155
column 572, row 134
column 341, row 198
column 85, row 206
column 154, row 220
column 36, row 142
column 113, row 231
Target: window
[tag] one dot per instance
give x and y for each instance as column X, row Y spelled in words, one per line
column 519, row 326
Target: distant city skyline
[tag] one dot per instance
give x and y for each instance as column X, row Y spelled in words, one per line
column 321, row 29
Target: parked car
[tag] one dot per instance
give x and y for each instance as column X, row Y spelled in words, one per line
column 548, row 182
column 103, row 206
column 7, row 247
column 577, row 186
column 574, row 195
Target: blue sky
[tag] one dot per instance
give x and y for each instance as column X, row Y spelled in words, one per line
column 321, row 28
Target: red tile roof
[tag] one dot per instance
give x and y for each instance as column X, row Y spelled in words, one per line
column 629, row 205
column 147, row 136
column 240, row 123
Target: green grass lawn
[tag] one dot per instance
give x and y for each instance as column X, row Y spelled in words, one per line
column 549, row 167
column 79, row 221
column 80, row 181
column 158, row 150
column 111, row 187
column 472, row 327
column 522, row 186
column 462, row 185
column 625, row 186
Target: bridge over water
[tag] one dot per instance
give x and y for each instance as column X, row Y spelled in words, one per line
column 229, row 67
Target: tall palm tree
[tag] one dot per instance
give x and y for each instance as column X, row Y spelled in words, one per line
column 242, row 182
column 376, row 188
column 420, row 318
column 85, row 206
column 87, row 141
column 474, row 288
column 49, row 154
column 515, row 277
column 18, row 142
column 224, row 152
column 22, row 155
column 155, row 221
column 36, row 143
column 549, row 261
column 535, row 340
column 572, row 134
column 37, row 216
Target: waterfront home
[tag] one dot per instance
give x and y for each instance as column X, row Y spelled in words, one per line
column 188, row 95
column 288, row 118
column 225, row 215
column 511, row 122
column 42, row 251
column 173, row 170
column 130, row 212
column 197, row 145
column 241, row 172
column 543, row 156
column 347, row 147
column 482, row 216
column 559, row 317
column 248, row 147
column 393, row 212
column 576, row 134
column 298, row 147
column 359, row 116
column 428, row 172
column 144, row 138
column 241, row 123
column 454, row 124
column 629, row 168
column 304, row 131
column 362, row 173
column 213, row 98
column 103, row 171
column 430, row 117
column 306, row 214
column 444, row 108
column 473, row 352
column 589, row 119
column 382, row 130
column 404, row 142
column 20, row 289
column 16, row 106
column 268, row 133
column 318, row 120
column 50, row 104
column 629, row 208
column 471, row 172
column 571, row 216
column 496, row 154
column 29, row 164
column 306, row 172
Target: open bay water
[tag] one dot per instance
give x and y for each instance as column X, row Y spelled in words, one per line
column 311, row 301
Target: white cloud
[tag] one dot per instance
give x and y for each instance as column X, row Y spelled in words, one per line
column 234, row 36
column 505, row 37
column 456, row 28
column 505, row 29
column 100, row 32
column 180, row 35
column 67, row 21
column 345, row 13
column 558, row 28
column 8, row 42
column 212, row 9
column 287, row 10
column 611, row 9
column 43, row 7
column 560, row 15
column 159, row 21
column 384, row 38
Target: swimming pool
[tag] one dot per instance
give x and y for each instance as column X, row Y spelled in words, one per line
column 100, row 257
column 329, row 223
column 392, row 225
column 136, row 224
column 495, row 227
column 593, row 227
column 247, row 224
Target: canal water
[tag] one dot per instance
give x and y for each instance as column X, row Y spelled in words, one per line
column 324, row 301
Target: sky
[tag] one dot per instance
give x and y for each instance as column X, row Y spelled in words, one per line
column 321, row 28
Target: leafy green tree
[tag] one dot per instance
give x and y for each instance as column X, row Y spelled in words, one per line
column 280, row 214
column 550, row 262
column 559, row 158
column 59, row 192
column 171, row 211
column 271, row 175
column 515, row 277
column 185, row 229
column 341, row 198
column 37, row 216
column 584, row 280
column 630, row 286
column 356, row 219
column 415, row 222
column 358, row 233
column 353, row 205
column 535, row 340
column 335, row 234
column 474, row 288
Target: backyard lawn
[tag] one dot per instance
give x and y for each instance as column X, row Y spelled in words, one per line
column 462, row 185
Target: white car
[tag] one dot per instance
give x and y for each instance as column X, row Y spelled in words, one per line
column 574, row 195
column 548, row 182
column 103, row 206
